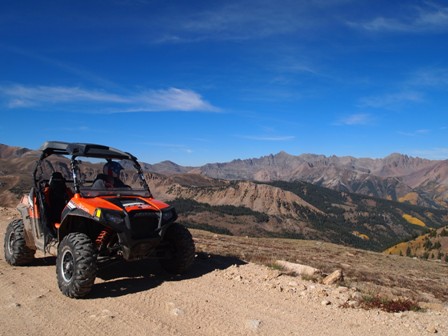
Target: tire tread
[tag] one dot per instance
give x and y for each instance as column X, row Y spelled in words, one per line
column 21, row 254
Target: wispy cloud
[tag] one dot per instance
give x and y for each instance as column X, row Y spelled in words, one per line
column 231, row 22
column 436, row 77
column 249, row 19
column 428, row 17
column 268, row 138
column 18, row 96
column 171, row 99
column 66, row 67
column 414, row 133
column 392, row 100
column 356, row 119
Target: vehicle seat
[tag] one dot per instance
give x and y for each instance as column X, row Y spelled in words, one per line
column 102, row 181
column 57, row 197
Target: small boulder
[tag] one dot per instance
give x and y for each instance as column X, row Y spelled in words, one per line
column 298, row 269
column 335, row 277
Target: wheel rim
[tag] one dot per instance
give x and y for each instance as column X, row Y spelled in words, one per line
column 67, row 266
column 11, row 240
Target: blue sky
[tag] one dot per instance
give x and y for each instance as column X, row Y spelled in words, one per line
column 211, row 81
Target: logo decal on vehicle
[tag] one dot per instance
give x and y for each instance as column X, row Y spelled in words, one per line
column 71, row 205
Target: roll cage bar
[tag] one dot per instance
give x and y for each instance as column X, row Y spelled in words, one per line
column 76, row 149
column 83, row 149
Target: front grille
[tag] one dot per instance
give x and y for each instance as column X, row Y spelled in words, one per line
column 144, row 224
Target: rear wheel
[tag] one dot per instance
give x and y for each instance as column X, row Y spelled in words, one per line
column 181, row 247
column 76, row 265
column 16, row 251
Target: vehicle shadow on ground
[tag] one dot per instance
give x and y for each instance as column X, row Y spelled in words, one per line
column 44, row 261
column 123, row 278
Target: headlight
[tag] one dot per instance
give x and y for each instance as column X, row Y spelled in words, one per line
column 166, row 216
column 169, row 215
column 113, row 218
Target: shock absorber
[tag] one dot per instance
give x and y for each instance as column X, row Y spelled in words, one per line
column 103, row 239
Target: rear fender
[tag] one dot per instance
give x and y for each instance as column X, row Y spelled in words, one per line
column 26, row 212
column 29, row 210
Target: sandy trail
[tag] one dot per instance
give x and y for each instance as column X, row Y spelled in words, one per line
column 218, row 297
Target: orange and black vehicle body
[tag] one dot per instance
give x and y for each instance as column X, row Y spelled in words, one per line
column 121, row 221
column 81, row 211
column 137, row 222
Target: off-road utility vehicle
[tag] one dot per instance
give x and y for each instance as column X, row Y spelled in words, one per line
column 80, row 211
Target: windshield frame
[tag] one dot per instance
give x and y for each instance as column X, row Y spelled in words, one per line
column 91, row 152
column 88, row 191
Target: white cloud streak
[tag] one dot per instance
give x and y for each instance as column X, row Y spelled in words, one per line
column 174, row 99
column 415, row 133
column 21, row 96
column 260, row 19
column 171, row 99
column 430, row 77
column 432, row 18
column 248, row 19
column 231, row 22
column 268, row 138
column 356, row 119
column 391, row 100
column 66, row 67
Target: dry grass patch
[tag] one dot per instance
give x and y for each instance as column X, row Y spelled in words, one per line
column 389, row 305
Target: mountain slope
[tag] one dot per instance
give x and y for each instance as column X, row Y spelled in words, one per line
column 432, row 245
column 297, row 210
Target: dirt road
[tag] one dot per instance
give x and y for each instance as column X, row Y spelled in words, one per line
column 220, row 296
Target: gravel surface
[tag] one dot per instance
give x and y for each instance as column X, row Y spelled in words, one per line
column 219, row 296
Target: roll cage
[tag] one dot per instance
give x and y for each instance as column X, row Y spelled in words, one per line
column 88, row 150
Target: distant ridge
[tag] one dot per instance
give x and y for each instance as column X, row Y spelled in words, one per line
column 7, row 152
column 396, row 177
column 166, row 167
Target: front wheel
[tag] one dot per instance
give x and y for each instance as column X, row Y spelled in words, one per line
column 182, row 249
column 76, row 265
column 16, row 251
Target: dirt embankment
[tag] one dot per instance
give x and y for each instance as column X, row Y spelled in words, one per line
column 220, row 296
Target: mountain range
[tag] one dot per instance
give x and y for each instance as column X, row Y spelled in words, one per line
column 367, row 203
column 396, row 177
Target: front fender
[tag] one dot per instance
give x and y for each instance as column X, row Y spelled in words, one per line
column 78, row 220
column 73, row 220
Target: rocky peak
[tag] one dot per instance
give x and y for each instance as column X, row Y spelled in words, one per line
column 7, row 152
